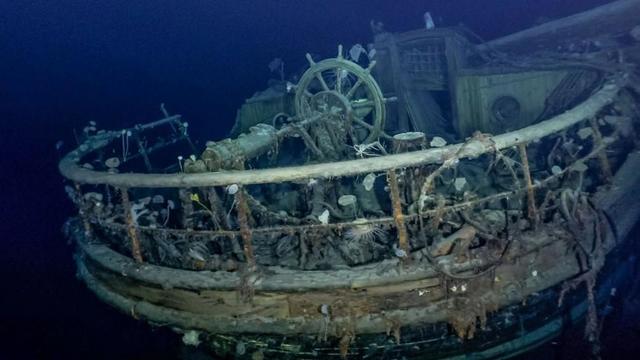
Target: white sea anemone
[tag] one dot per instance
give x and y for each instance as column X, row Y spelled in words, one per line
column 191, row 338
column 347, row 200
column 324, row 217
column 368, row 181
column 180, row 163
column 398, row 252
column 137, row 210
column 112, row 163
column 459, row 183
column 232, row 189
column 438, row 142
column 170, row 206
column 363, row 231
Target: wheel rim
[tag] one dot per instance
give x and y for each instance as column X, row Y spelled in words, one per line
column 348, row 85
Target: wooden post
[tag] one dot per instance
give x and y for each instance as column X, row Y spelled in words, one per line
column 398, row 217
column 187, row 208
column 303, row 250
column 136, row 250
column 242, row 209
column 217, row 210
column 605, row 166
column 452, row 53
column 531, row 199
column 82, row 211
column 398, row 84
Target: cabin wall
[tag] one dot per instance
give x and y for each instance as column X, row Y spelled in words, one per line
column 476, row 94
column 412, row 66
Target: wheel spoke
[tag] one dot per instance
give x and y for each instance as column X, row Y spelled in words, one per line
column 338, row 86
column 310, row 59
column 354, row 88
column 362, row 104
column 362, row 123
column 322, row 82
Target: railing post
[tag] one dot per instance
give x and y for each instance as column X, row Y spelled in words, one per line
column 398, row 217
column 187, row 208
column 242, row 209
column 607, row 174
column 532, row 213
column 82, row 211
column 132, row 230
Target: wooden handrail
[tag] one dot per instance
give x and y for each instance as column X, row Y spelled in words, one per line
column 70, row 168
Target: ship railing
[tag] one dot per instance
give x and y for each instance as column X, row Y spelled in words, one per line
column 217, row 220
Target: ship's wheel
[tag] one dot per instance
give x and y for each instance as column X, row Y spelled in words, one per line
column 342, row 84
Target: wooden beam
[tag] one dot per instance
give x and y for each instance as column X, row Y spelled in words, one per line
column 616, row 17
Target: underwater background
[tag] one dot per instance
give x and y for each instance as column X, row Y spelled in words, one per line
column 64, row 63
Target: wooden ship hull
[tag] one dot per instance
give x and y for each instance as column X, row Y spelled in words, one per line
column 485, row 247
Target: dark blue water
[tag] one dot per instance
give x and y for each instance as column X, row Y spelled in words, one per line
column 63, row 63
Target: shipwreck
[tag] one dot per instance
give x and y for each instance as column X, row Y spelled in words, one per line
column 433, row 196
